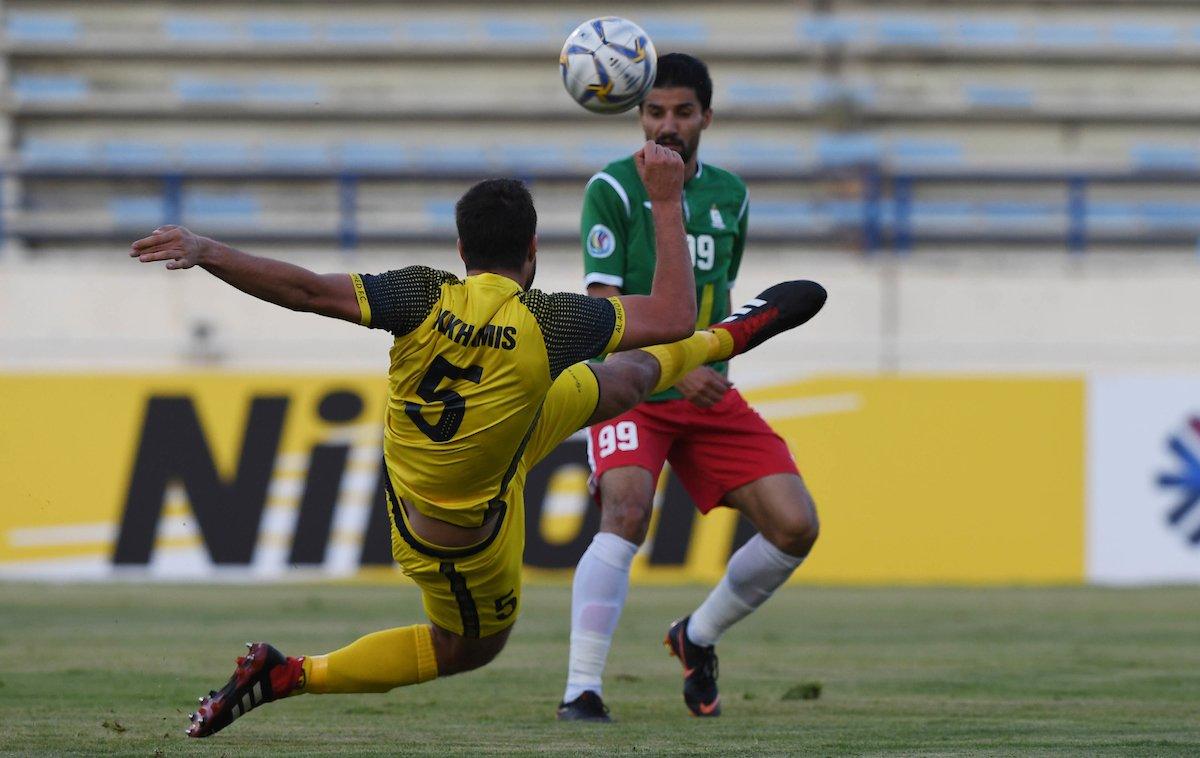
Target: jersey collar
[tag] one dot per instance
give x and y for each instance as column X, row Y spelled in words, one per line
column 497, row 280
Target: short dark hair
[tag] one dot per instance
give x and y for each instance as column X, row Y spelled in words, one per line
column 496, row 222
column 683, row 70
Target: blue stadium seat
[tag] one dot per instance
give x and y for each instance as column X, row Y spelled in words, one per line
column 505, row 29
column 1162, row 157
column 908, row 32
column 847, row 149
column 988, row 33
column 1170, row 215
column 942, row 214
column 42, row 153
column 439, row 214
column 280, row 31
column 763, row 93
column 454, row 157
column 220, row 207
column 286, row 91
column 673, row 30
column 215, row 154
column 129, row 154
column 307, row 155
column 373, row 155
column 439, row 31
column 1013, row 214
column 830, row 30
column 780, row 156
column 517, row 158
column 137, row 211
column 195, row 89
column 783, row 215
column 358, row 33
column 1145, row 35
column 198, row 29
column 1110, row 216
column 1067, row 35
column 841, row 212
column 909, row 152
column 824, row 90
column 42, row 27
column 592, row 156
column 50, row 88
column 993, row 96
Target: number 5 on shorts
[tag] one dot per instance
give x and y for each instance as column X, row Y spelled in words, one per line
column 621, row 436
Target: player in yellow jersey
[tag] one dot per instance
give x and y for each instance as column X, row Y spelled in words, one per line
column 486, row 379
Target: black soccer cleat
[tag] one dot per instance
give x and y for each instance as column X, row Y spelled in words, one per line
column 264, row 674
column 699, row 671
column 776, row 309
column 586, row 707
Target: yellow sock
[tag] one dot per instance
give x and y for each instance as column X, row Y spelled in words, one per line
column 678, row 358
column 378, row 662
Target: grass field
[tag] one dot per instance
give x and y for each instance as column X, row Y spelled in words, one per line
column 115, row 669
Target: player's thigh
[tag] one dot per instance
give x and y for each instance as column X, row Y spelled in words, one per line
column 626, row 455
column 781, row 508
column 626, row 497
column 569, row 403
column 473, row 592
column 728, row 446
column 625, row 380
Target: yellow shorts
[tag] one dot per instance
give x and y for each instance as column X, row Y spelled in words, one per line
column 475, row 591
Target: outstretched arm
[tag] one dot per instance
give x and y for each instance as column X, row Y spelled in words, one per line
column 668, row 313
column 267, row 279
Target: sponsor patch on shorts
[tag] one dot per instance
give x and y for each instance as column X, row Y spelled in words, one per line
column 600, row 241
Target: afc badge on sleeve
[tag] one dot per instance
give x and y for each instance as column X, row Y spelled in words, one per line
column 600, row 241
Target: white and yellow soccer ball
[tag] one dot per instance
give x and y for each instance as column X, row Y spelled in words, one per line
column 608, row 64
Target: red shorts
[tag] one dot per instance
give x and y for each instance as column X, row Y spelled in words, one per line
column 712, row 450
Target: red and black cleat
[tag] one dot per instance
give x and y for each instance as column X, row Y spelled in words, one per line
column 699, row 670
column 262, row 675
column 776, row 309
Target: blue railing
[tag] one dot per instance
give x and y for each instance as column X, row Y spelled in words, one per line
column 868, row 207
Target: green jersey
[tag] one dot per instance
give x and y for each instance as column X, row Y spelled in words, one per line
column 618, row 236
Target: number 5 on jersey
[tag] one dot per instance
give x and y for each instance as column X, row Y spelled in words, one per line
column 622, row 436
column 454, row 405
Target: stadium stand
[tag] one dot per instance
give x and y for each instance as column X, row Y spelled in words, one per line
column 907, row 123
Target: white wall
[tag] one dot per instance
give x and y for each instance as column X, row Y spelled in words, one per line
column 947, row 312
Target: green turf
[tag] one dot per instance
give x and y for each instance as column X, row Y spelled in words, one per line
column 115, row 669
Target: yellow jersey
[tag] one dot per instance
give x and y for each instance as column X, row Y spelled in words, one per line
column 471, row 364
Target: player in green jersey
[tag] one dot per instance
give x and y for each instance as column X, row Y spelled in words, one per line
column 723, row 452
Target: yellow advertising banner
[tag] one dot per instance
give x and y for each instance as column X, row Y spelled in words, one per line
column 917, row 479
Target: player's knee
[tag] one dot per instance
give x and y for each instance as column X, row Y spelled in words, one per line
column 796, row 532
column 627, row 516
column 635, row 375
column 456, row 654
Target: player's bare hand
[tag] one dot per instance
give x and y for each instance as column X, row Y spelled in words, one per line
column 176, row 245
column 661, row 170
column 704, row 387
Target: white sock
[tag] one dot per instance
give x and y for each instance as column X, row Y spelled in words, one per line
column 597, row 597
column 754, row 572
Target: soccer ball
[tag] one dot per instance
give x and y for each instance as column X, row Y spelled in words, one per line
column 608, row 64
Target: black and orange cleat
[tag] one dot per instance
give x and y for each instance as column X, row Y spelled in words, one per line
column 587, row 707
column 262, row 675
column 776, row 309
column 699, row 671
